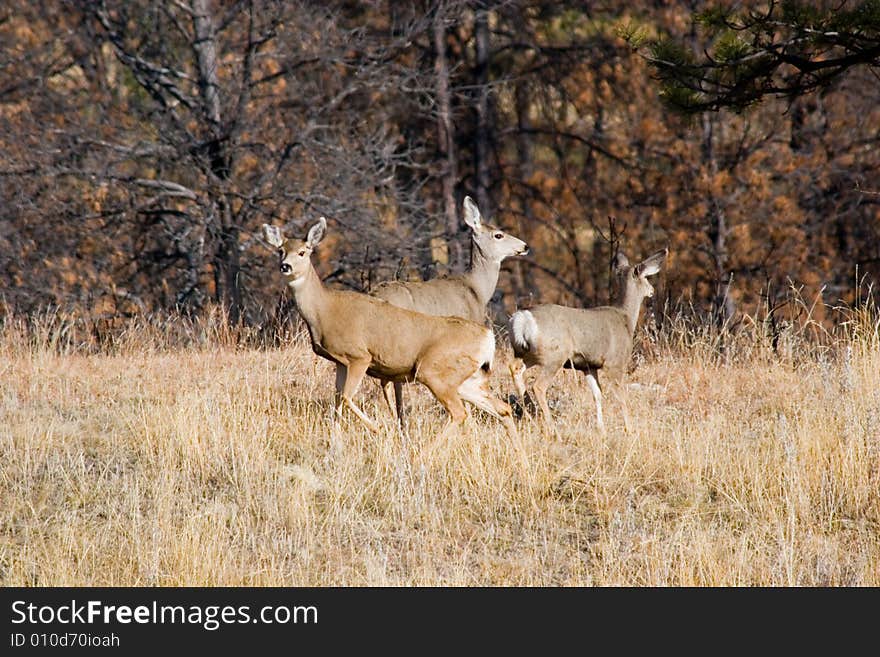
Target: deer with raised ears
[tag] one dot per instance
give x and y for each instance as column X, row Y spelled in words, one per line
column 591, row 340
column 464, row 295
column 364, row 335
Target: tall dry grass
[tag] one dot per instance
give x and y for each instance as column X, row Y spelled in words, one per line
column 181, row 453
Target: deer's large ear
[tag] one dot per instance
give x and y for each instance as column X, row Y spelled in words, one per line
column 273, row 235
column 472, row 214
column 621, row 262
column 316, row 233
column 651, row 265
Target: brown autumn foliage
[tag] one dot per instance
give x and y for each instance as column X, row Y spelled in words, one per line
column 137, row 163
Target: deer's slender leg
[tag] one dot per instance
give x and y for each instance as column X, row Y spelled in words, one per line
column 387, row 387
column 448, row 396
column 341, row 375
column 613, row 377
column 398, row 402
column 356, row 372
column 395, row 403
column 476, row 391
column 593, row 382
column 546, row 373
column 517, row 372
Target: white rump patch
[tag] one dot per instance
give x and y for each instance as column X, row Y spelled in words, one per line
column 486, row 354
column 524, row 330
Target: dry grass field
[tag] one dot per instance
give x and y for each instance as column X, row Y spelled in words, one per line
column 158, row 460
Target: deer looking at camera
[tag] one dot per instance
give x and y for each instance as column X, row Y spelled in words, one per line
column 364, row 335
column 464, row 295
column 591, row 340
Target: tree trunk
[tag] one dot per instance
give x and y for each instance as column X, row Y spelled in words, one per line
column 446, row 137
column 717, row 232
column 482, row 137
column 218, row 163
column 522, row 274
column 228, row 265
column 206, row 58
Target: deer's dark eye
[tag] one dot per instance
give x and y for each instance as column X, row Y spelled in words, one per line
column 302, row 253
column 498, row 236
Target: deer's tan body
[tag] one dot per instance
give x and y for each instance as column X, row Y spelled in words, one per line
column 464, row 295
column 582, row 339
column 347, row 327
column 454, row 296
column 364, row 335
column 550, row 337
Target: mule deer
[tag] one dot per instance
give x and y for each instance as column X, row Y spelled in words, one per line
column 364, row 335
column 464, row 295
column 552, row 337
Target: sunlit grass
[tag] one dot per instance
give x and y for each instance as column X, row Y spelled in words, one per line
column 205, row 461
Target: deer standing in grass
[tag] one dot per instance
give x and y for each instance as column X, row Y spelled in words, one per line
column 464, row 295
column 364, row 335
column 551, row 337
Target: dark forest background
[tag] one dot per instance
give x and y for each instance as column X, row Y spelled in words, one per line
column 142, row 145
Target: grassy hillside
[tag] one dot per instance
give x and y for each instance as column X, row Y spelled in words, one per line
column 152, row 462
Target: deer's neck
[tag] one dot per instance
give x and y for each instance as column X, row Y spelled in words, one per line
column 482, row 275
column 631, row 305
column 311, row 297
